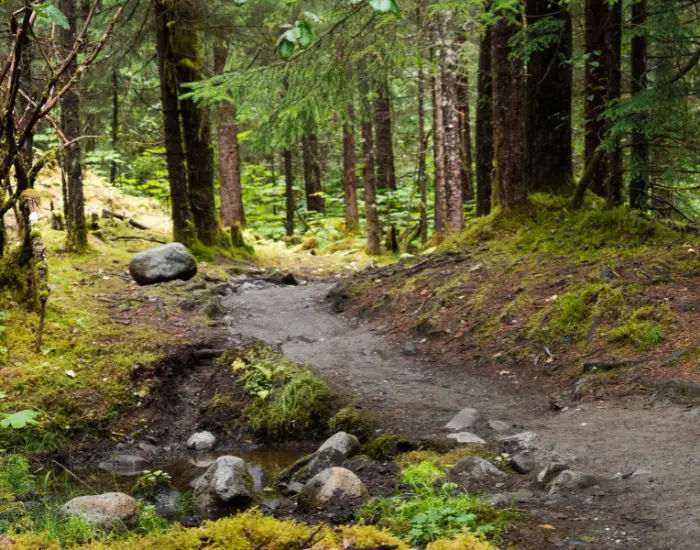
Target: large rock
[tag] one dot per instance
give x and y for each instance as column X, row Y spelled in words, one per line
column 329, row 485
column 163, row 263
column 463, row 420
column 225, row 487
column 108, row 511
column 334, row 451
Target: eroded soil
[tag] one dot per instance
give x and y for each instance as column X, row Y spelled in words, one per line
column 657, row 508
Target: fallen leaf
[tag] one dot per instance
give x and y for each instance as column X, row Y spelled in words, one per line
column 546, row 526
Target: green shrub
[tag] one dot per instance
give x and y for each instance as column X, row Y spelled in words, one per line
column 353, row 421
column 386, row 446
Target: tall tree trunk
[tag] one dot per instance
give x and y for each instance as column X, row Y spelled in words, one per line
column 439, row 157
column 196, row 126
column 509, row 119
column 602, row 84
column 484, row 127
column 422, row 151
column 290, row 203
column 76, row 236
column 465, row 133
column 115, row 124
column 549, row 103
column 352, row 218
column 232, row 212
column 312, row 171
column 640, row 144
column 453, row 139
column 183, row 225
column 374, row 229
column 386, row 171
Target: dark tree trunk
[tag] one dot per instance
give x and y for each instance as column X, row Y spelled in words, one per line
column 115, row 124
column 422, row 151
column 640, row 145
column 290, row 203
column 386, row 171
column 374, row 229
column 439, row 158
column 183, row 226
column 549, row 104
column 465, row 132
column 602, row 84
column 76, row 236
column 509, row 120
column 484, row 127
column 232, row 212
column 312, row 172
column 352, row 218
column 196, row 126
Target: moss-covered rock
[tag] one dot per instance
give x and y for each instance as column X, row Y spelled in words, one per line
column 354, row 421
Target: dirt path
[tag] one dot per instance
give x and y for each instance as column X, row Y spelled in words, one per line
column 657, row 509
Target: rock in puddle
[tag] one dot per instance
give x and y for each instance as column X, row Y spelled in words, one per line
column 110, row 511
column 124, row 464
column 202, row 441
column 464, row 419
column 225, row 487
column 467, row 438
column 333, row 452
column 329, row 485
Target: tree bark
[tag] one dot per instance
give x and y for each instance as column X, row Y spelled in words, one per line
column 602, row 84
column 484, row 127
column 422, row 151
column 76, row 236
column 352, row 218
column 453, row 139
column 549, row 103
column 509, row 120
column 290, row 203
column 196, row 126
column 232, row 211
column 312, row 171
column 439, row 156
column 115, row 124
column 183, row 226
column 465, row 132
column 374, row 229
column 386, row 171
column 640, row 144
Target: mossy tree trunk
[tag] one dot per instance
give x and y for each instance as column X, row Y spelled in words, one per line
column 290, row 201
column 374, row 229
column 549, row 103
column 439, row 156
column 484, row 127
column 312, row 171
column 183, row 224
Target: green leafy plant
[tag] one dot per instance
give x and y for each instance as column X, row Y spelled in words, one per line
column 150, row 479
column 19, row 420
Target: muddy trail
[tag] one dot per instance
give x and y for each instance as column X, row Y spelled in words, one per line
column 645, row 453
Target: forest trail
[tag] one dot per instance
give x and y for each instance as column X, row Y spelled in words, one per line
column 656, row 508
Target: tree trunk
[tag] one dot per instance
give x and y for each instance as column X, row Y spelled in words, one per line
column 422, row 151
column 374, row 230
column 290, row 203
column 232, row 212
column 549, row 104
column 352, row 218
column 76, row 236
column 115, row 124
column 439, row 157
column 312, row 171
column 509, row 120
column 484, row 127
column 196, row 126
column 465, row 132
column 183, row 226
column 386, row 171
column 602, row 84
column 453, row 139
column 640, row 145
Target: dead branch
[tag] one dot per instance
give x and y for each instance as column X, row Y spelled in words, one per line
column 111, row 214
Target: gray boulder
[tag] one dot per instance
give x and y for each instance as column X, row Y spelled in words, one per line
column 513, row 444
column 334, row 452
column 329, row 485
column 109, row 511
column 202, row 441
column 162, row 264
column 464, row 419
column 226, row 486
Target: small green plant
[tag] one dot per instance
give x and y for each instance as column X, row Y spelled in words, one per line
column 150, row 521
column 19, row 420
column 150, row 479
column 354, row 421
column 386, row 446
column 502, row 460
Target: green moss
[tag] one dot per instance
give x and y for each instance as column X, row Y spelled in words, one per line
column 444, row 461
column 385, row 447
column 354, row 421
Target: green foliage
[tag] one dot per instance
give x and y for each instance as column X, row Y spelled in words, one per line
column 385, row 446
column 289, row 401
column 150, row 479
column 354, row 421
column 19, row 420
column 16, row 478
column 150, row 521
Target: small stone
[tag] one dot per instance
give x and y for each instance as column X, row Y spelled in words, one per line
column 513, row 444
column 570, row 480
column 202, row 441
column 107, row 511
column 329, row 485
column 550, row 471
column 523, row 462
column 467, row 438
column 474, row 467
column 507, row 499
column 498, row 426
column 223, row 289
column 464, row 419
column 410, row 349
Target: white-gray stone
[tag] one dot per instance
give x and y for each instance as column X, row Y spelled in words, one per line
column 524, row 462
column 550, row 471
column 202, row 441
column 333, row 452
column 330, row 484
column 464, row 419
column 107, row 511
column 467, row 438
column 476, row 468
column 571, row 480
column 226, row 486
column 163, row 263
column 498, row 426
column 513, row 444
